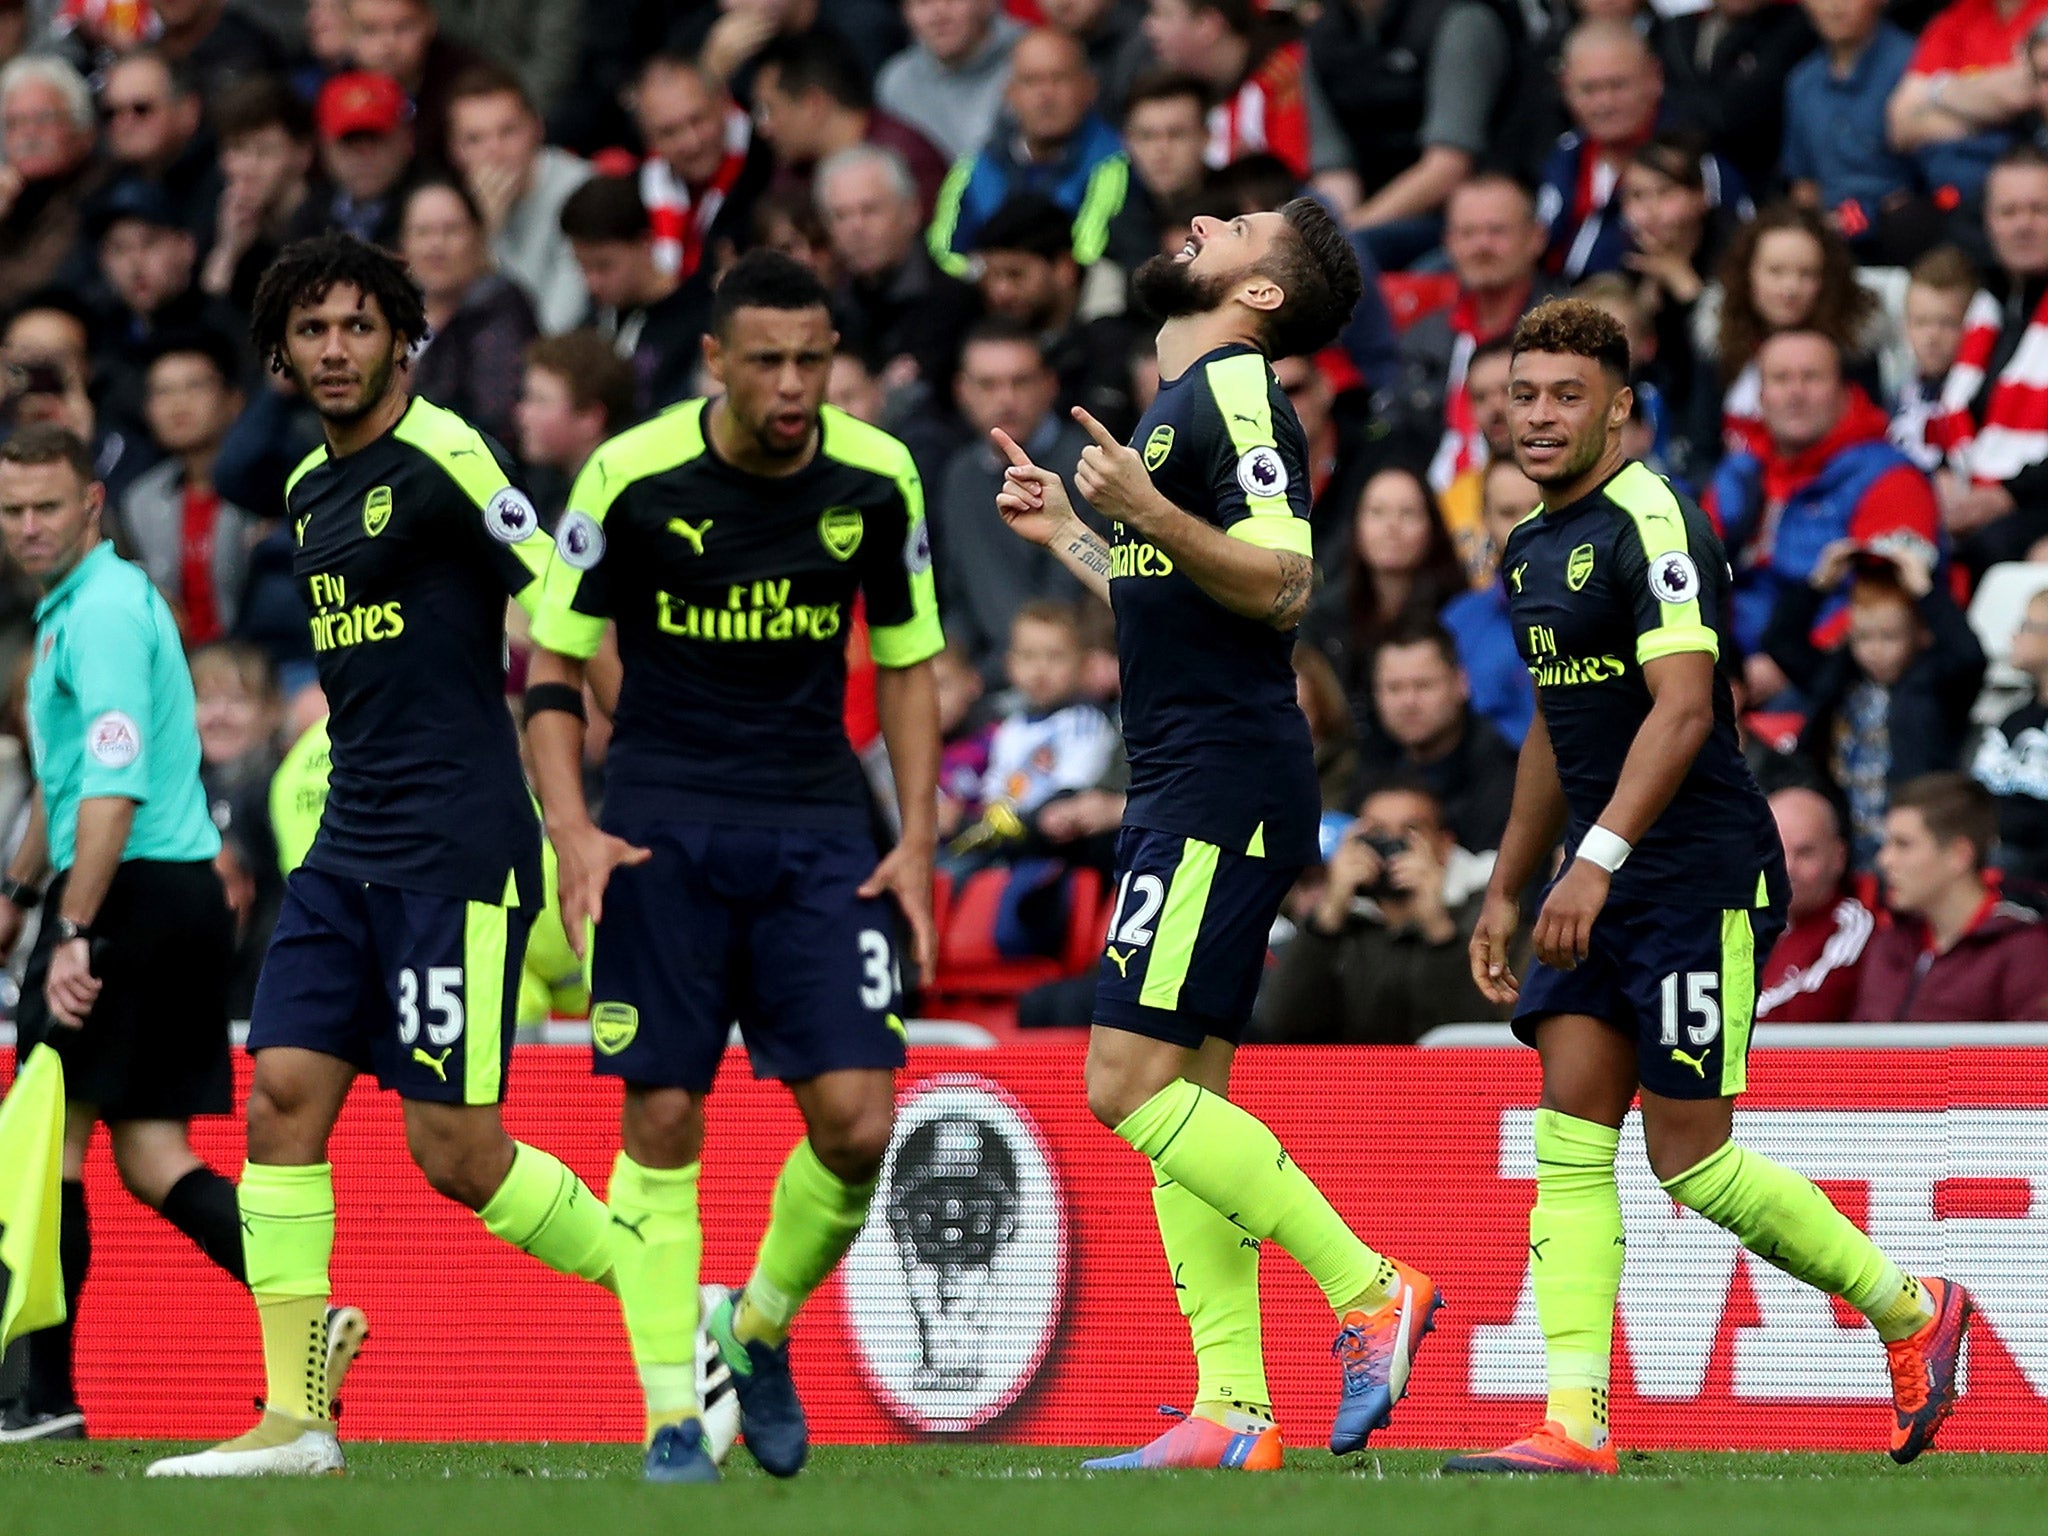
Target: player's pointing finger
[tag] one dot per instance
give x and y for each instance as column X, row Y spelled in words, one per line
column 1011, row 451
column 1094, row 428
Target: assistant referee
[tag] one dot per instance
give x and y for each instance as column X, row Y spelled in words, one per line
column 128, row 978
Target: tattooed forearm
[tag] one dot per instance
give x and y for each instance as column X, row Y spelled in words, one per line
column 1090, row 551
column 1297, row 586
column 1082, row 551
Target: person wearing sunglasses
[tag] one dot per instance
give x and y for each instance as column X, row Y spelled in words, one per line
column 150, row 113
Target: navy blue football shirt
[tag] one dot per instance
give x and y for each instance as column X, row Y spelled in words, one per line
column 1218, row 746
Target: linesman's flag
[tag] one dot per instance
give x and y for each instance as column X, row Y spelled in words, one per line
column 31, row 1162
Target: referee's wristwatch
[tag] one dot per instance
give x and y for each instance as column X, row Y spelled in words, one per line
column 66, row 929
column 20, row 893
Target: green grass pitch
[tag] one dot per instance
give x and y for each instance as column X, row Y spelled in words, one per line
column 98, row 1489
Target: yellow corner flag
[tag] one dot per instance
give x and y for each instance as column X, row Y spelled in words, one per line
column 31, row 1162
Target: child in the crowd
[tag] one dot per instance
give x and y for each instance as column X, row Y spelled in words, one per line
column 2012, row 759
column 1894, row 701
column 1050, row 740
column 1938, row 293
column 1053, row 750
column 963, row 735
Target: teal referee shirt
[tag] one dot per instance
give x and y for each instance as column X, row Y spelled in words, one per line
column 110, row 713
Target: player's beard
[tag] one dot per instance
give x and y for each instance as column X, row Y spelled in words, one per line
column 1168, row 288
column 1585, row 453
column 376, row 386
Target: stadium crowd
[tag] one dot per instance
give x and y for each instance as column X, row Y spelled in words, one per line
column 1824, row 227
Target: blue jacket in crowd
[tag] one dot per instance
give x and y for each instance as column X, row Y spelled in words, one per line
column 1089, row 180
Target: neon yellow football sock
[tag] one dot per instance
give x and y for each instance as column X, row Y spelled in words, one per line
column 287, row 1239
column 1575, row 1255
column 656, row 1250
column 543, row 1209
column 1232, row 1162
column 813, row 1219
column 1215, row 1267
column 1787, row 1219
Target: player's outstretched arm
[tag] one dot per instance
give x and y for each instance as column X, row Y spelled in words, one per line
column 907, row 706
column 1535, row 820
column 584, row 853
column 1034, row 503
column 1272, row 586
column 1681, row 716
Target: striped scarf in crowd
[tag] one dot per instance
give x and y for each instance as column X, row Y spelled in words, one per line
column 681, row 220
column 1463, row 446
column 2014, row 432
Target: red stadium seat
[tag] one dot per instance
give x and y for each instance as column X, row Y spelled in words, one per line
column 971, row 966
column 1411, row 295
column 1777, row 728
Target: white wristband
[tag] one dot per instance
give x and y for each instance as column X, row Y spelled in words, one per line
column 1604, row 849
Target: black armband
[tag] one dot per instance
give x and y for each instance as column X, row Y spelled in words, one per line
column 541, row 697
column 21, row 893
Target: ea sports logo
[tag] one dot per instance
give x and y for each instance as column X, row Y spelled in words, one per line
column 112, row 740
column 952, row 1290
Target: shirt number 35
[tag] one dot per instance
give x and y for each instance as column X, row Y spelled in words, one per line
column 443, row 988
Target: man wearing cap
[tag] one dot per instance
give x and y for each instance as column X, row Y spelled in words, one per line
column 365, row 125
column 128, row 977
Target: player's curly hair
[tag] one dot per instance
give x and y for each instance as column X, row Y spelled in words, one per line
column 1576, row 328
column 1319, row 281
column 304, row 272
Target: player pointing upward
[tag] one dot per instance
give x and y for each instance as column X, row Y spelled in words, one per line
column 1650, row 942
column 1209, row 570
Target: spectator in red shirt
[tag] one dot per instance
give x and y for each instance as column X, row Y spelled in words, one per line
column 1267, row 99
column 194, row 543
column 1964, row 91
column 1955, row 953
column 1812, row 973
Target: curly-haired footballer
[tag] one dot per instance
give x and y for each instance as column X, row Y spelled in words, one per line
column 1652, row 936
column 398, row 948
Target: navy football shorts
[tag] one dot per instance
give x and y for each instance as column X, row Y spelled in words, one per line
column 1187, row 937
column 1683, row 980
column 754, row 925
column 422, row 990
